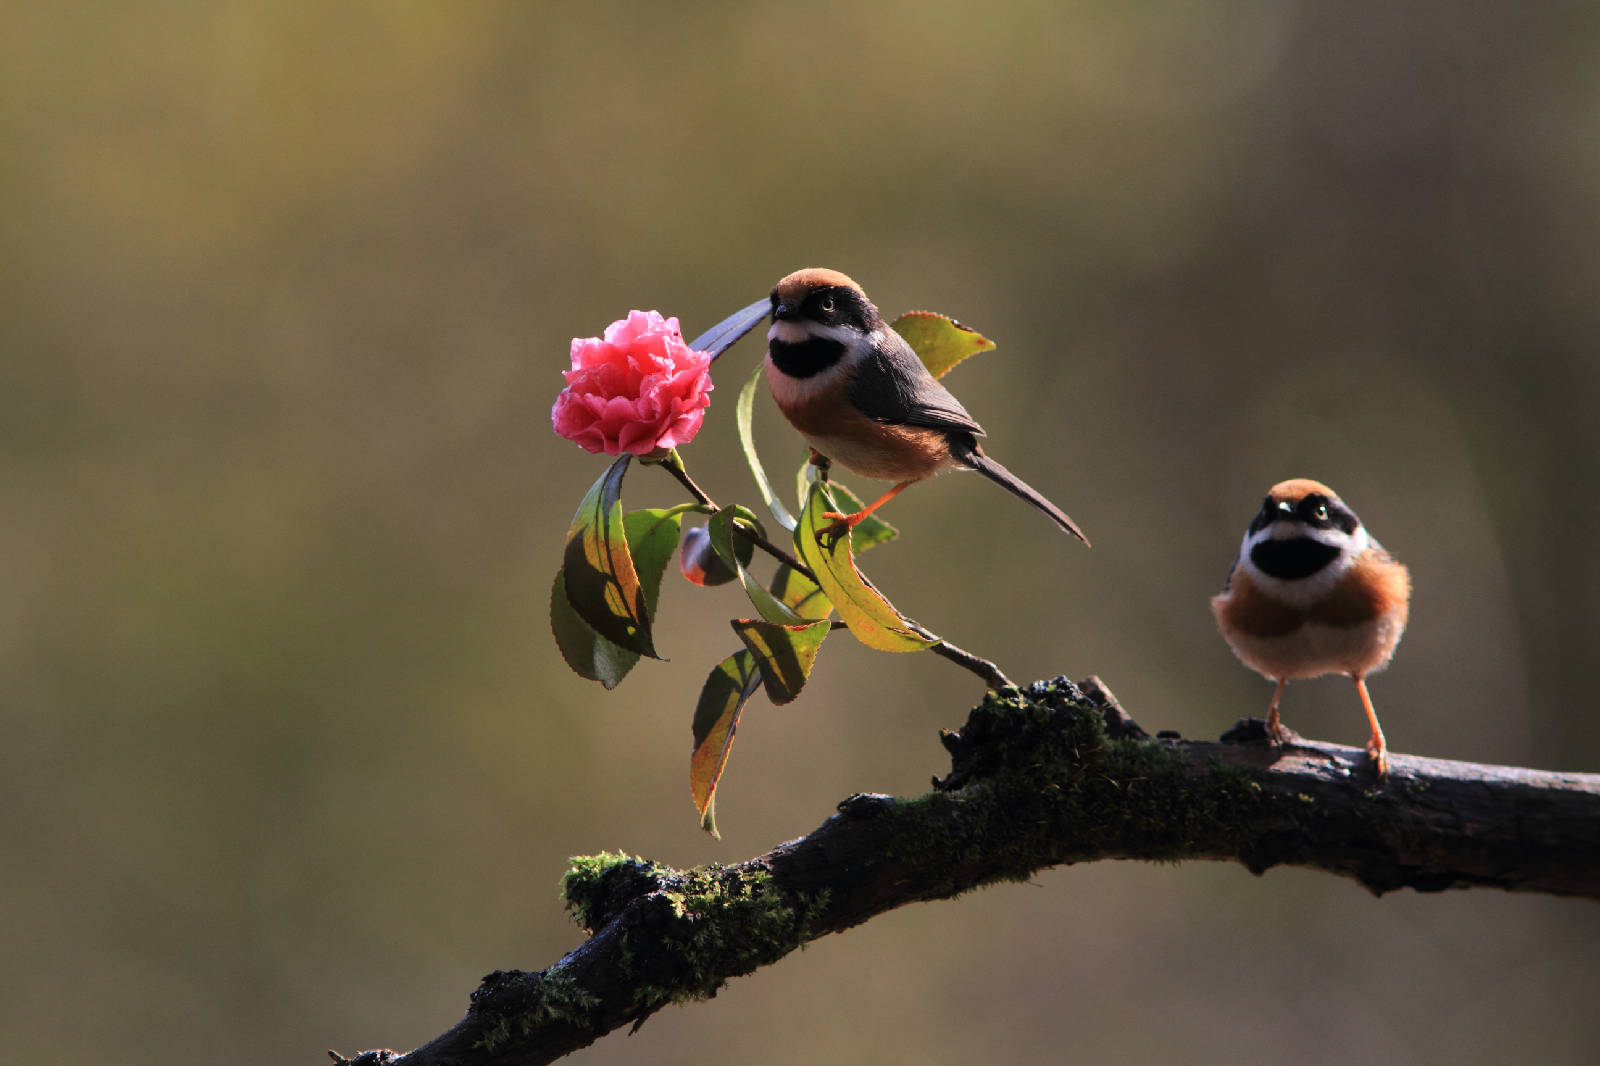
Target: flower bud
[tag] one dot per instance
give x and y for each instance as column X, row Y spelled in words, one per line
column 699, row 562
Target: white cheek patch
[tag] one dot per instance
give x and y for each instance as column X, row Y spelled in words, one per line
column 789, row 332
column 800, row 332
column 1304, row 591
column 1334, row 538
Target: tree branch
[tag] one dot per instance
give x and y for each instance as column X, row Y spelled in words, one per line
column 1053, row 775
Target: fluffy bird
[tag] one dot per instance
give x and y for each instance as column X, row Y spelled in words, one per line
column 1312, row 593
column 860, row 396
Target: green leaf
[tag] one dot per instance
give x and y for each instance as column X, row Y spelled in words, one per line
column 722, row 336
column 784, row 654
column 652, row 535
column 602, row 584
column 872, row 619
column 744, row 412
column 727, row 689
column 868, row 532
column 939, row 341
column 722, row 542
column 589, row 654
column 799, row 593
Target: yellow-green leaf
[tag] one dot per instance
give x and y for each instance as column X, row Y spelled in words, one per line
column 872, row 619
column 589, row 654
column 727, row 689
column 652, row 535
column 784, row 654
column 601, row 582
column 799, row 593
column 939, row 341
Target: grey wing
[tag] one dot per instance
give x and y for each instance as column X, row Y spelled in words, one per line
column 891, row 385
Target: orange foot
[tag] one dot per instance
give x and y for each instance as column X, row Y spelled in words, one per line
column 1277, row 735
column 841, row 526
column 1377, row 747
column 843, row 523
column 1380, row 759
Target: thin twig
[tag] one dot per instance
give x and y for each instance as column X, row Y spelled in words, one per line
column 988, row 671
column 961, row 657
column 990, row 674
column 675, row 468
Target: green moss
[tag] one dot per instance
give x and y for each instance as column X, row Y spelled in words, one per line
column 595, row 887
column 541, row 1001
column 721, row 921
column 560, row 999
column 702, row 924
column 1039, row 780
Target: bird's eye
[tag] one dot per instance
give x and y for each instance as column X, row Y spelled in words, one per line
column 827, row 305
column 1321, row 512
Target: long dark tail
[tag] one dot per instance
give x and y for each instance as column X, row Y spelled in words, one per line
column 968, row 453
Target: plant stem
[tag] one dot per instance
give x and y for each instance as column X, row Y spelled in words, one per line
column 983, row 668
column 674, row 466
column 961, row 657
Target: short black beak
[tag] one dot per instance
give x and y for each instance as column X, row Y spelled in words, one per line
column 783, row 312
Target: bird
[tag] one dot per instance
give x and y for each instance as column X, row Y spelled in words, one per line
column 1312, row 593
column 860, row 396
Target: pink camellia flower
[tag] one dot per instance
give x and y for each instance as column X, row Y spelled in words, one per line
column 638, row 389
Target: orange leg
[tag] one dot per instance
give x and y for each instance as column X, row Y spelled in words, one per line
column 1377, row 747
column 1275, row 730
column 843, row 523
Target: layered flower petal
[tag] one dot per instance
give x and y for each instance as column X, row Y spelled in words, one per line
column 638, row 388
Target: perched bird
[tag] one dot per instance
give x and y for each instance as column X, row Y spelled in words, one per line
column 861, row 397
column 1312, row 593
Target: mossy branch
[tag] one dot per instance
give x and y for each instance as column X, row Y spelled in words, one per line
column 1056, row 774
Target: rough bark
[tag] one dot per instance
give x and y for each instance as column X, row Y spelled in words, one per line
column 1052, row 775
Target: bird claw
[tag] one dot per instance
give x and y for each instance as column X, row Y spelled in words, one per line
column 1277, row 733
column 1380, row 760
column 840, row 526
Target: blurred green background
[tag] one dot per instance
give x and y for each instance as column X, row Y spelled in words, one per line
column 289, row 759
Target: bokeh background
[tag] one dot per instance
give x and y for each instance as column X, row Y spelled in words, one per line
column 289, row 759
